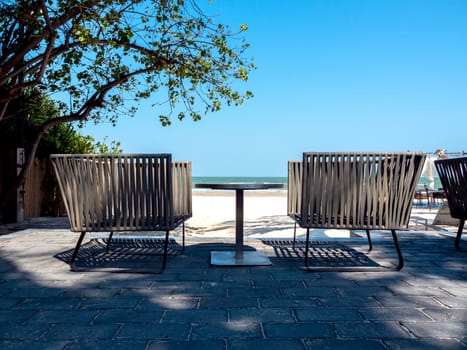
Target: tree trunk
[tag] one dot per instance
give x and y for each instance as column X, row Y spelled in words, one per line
column 10, row 191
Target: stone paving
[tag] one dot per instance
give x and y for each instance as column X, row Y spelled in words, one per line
column 193, row 305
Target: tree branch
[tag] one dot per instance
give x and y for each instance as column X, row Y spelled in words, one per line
column 20, row 50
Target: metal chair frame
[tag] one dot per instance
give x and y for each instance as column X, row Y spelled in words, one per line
column 453, row 175
column 366, row 191
column 124, row 193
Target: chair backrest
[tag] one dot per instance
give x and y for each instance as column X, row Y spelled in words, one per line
column 120, row 192
column 182, row 185
column 358, row 190
column 453, row 176
column 294, row 187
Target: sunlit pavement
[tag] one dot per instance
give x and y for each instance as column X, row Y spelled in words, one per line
column 194, row 305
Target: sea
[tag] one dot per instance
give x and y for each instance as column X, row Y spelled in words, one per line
column 282, row 180
column 239, row 179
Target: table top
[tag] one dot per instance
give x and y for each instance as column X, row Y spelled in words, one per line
column 240, row 186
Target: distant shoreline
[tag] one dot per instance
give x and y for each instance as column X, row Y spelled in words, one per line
column 230, row 193
column 276, row 179
column 239, row 179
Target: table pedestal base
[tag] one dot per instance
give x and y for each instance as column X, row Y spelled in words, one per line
column 250, row 258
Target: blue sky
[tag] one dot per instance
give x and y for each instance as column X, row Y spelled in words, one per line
column 333, row 75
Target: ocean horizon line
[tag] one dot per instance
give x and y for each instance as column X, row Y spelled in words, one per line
column 280, row 179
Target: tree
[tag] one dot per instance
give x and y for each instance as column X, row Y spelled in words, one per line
column 61, row 138
column 102, row 57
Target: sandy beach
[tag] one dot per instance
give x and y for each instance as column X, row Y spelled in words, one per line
column 265, row 216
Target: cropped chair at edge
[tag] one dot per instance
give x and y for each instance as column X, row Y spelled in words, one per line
column 366, row 191
column 124, row 193
column 453, row 175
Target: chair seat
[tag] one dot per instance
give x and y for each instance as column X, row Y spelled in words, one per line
column 342, row 222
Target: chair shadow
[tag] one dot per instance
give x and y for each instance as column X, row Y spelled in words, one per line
column 320, row 253
column 139, row 253
column 124, row 253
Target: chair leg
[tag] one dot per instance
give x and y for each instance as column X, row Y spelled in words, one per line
column 75, row 251
column 294, row 234
column 117, row 270
column 306, row 248
column 183, row 237
column 166, row 246
column 400, row 265
column 459, row 234
column 183, row 240
column 370, row 244
column 107, row 248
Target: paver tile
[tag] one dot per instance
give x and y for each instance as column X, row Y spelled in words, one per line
column 193, row 305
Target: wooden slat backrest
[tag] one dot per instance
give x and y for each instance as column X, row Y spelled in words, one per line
column 294, row 187
column 358, row 190
column 453, row 176
column 182, row 186
column 121, row 192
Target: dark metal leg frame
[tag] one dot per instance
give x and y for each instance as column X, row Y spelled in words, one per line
column 370, row 244
column 458, row 237
column 75, row 268
column 183, row 240
column 294, row 234
column 397, row 267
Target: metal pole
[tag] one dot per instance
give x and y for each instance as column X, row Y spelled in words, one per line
column 239, row 225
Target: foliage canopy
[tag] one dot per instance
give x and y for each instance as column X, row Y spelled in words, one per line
column 101, row 57
column 61, row 138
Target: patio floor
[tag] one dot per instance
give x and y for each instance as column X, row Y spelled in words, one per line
column 194, row 305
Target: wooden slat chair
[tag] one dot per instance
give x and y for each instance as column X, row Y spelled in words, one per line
column 453, row 175
column 367, row 191
column 124, row 193
column 294, row 195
